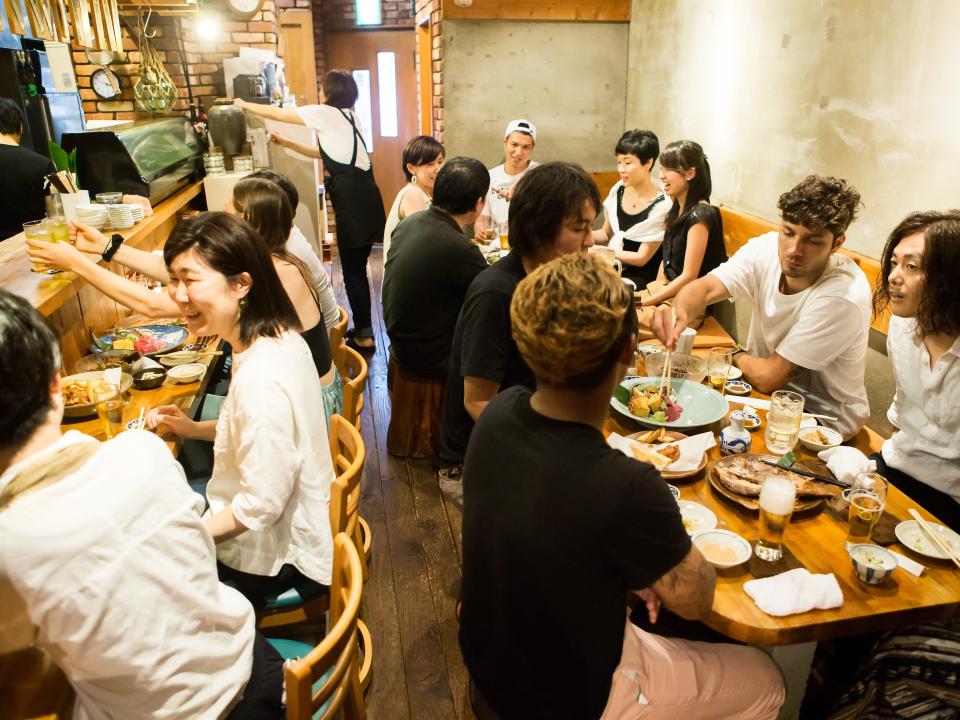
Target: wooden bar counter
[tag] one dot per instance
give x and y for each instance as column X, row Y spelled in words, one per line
column 75, row 309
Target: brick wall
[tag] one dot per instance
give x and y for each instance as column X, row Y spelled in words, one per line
column 204, row 59
column 431, row 9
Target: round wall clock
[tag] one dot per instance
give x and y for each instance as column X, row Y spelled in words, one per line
column 105, row 83
column 245, row 9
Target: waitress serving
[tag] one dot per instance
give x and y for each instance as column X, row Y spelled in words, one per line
column 355, row 195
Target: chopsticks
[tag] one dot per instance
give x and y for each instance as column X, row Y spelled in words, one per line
column 141, row 421
column 805, row 473
column 828, row 418
column 938, row 541
column 667, row 373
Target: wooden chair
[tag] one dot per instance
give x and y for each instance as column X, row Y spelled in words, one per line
column 325, row 681
column 416, row 414
column 337, row 333
column 354, row 370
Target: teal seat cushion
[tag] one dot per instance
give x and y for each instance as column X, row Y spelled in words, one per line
column 290, row 599
column 293, row 649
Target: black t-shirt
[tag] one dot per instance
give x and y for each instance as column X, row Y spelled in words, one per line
column 430, row 267
column 21, row 188
column 646, row 274
column 482, row 347
column 557, row 527
column 675, row 241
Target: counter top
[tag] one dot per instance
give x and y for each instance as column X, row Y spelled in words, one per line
column 48, row 292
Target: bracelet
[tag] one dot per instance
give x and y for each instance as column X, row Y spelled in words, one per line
column 116, row 240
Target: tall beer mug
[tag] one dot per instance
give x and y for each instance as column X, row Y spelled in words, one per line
column 777, row 497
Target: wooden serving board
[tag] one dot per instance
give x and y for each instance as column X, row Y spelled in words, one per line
column 752, row 503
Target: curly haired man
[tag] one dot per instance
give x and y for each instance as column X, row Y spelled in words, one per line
column 811, row 304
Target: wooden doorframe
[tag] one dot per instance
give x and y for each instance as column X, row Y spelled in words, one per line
column 298, row 23
column 425, row 76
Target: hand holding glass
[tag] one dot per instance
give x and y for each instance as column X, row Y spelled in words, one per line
column 783, row 421
column 777, row 496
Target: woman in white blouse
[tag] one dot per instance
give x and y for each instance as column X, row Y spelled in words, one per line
column 422, row 158
column 270, row 489
column 918, row 284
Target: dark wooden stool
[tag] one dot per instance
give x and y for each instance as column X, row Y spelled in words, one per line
column 416, row 412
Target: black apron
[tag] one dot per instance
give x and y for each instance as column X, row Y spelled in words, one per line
column 356, row 198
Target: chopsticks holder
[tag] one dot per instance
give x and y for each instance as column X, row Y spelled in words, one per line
column 934, row 538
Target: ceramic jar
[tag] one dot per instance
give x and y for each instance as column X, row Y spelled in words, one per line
column 735, row 439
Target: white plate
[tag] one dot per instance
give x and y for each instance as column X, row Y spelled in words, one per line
column 734, row 373
column 727, row 539
column 911, row 535
column 696, row 517
column 93, row 377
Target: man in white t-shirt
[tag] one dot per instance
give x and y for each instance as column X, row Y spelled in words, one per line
column 518, row 141
column 811, row 304
column 106, row 564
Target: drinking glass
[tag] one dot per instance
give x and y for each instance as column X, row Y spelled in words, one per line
column 109, row 405
column 243, row 163
column 783, row 421
column 777, row 496
column 40, row 230
column 867, row 496
column 502, row 231
column 718, row 367
column 213, row 163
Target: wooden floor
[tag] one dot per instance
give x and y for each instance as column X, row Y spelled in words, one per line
column 410, row 599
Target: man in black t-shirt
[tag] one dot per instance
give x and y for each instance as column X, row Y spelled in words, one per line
column 551, row 214
column 431, row 265
column 558, row 529
column 21, row 182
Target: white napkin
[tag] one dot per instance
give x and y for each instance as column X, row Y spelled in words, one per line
column 691, row 449
column 144, row 363
column 846, row 463
column 111, row 376
column 795, row 591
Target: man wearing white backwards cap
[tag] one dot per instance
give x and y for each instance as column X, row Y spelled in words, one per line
column 518, row 141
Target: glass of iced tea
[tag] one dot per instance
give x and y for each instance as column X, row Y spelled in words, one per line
column 867, row 496
column 109, row 405
column 718, row 367
column 40, row 230
column 777, row 496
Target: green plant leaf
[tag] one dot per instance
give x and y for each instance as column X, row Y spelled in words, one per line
column 72, row 161
column 622, row 394
column 58, row 155
column 787, row 460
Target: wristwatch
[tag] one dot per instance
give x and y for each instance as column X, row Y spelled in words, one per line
column 738, row 348
column 116, row 240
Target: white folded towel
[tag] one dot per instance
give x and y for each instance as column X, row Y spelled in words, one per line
column 795, row 591
column 145, row 363
column 846, row 463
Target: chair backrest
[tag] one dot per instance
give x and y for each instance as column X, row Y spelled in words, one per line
column 338, row 331
column 354, row 372
column 348, row 453
column 333, row 665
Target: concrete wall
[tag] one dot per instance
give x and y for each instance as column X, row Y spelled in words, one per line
column 569, row 79
column 777, row 89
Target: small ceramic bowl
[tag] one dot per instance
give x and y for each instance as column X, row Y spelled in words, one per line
column 737, row 387
column 675, row 491
column 751, row 421
column 812, row 438
column 149, row 378
column 872, row 563
column 722, row 548
column 188, row 373
column 649, row 348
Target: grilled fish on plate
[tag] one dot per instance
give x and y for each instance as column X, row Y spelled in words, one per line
column 745, row 475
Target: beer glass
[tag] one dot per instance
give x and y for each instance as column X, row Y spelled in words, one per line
column 109, row 408
column 718, row 367
column 867, row 496
column 502, row 230
column 39, row 230
column 783, row 421
column 777, row 496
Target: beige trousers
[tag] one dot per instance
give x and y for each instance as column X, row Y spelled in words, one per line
column 684, row 680
column 645, row 314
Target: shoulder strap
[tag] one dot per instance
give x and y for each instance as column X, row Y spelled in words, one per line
column 39, row 475
column 356, row 134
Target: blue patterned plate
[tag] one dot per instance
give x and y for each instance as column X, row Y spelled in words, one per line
column 170, row 337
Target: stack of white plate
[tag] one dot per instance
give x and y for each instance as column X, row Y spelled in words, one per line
column 137, row 211
column 121, row 217
column 93, row 215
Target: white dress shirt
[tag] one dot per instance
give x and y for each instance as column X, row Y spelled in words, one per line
column 112, row 571
column 822, row 330
column 271, row 459
column 925, row 408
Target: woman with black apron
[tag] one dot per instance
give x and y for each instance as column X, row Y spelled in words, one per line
column 353, row 190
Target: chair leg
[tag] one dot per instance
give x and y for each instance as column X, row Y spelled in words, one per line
column 354, row 705
column 363, row 541
column 366, row 645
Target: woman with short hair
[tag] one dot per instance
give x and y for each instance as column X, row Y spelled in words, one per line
column 422, row 158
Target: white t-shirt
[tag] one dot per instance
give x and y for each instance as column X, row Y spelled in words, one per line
column 822, row 330
column 271, row 458
column 112, row 571
column 925, row 408
column 496, row 205
column 300, row 248
column 334, row 133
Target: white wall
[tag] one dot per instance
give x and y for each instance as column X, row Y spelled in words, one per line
column 777, row 89
column 568, row 78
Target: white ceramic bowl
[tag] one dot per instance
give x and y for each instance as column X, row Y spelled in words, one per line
column 722, row 548
column 872, row 563
column 191, row 372
column 810, row 439
column 696, row 517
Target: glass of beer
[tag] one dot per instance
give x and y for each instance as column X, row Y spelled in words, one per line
column 867, row 496
column 783, row 421
column 718, row 367
column 777, row 496
column 39, row 230
column 502, row 230
column 109, row 405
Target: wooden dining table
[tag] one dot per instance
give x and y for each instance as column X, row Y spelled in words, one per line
column 817, row 540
